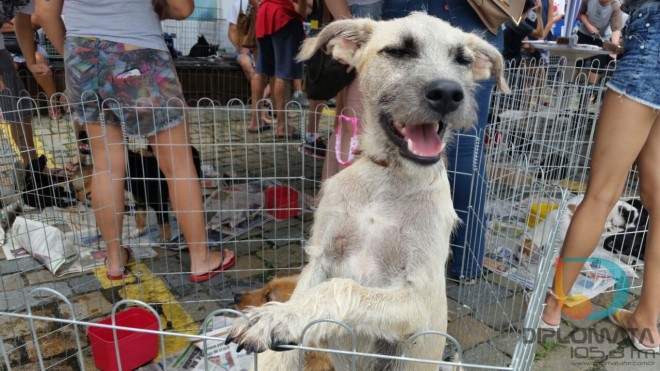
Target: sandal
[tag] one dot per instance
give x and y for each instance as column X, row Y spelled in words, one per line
column 121, row 275
column 615, row 319
column 224, row 265
column 543, row 324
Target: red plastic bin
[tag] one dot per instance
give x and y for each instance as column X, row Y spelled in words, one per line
column 281, row 202
column 135, row 348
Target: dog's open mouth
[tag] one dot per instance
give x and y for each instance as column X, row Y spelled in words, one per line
column 421, row 143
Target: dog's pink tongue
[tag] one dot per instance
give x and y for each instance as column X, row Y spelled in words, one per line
column 425, row 140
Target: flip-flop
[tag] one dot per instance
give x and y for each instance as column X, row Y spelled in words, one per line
column 121, row 276
column 207, row 276
column 262, row 128
column 614, row 318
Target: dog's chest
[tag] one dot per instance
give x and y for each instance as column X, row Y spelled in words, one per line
column 379, row 239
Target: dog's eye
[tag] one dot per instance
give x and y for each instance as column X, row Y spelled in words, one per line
column 408, row 49
column 398, row 52
column 462, row 59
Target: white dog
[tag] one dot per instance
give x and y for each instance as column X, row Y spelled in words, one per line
column 381, row 232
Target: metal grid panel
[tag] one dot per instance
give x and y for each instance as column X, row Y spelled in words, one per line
column 485, row 318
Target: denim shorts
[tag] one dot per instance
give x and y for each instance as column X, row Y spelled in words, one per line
column 136, row 88
column 637, row 75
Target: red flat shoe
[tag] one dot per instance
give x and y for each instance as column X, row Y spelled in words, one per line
column 207, row 276
column 121, row 276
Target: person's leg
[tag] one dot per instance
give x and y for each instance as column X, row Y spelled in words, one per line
column 298, row 94
column 286, row 42
column 21, row 132
column 172, row 150
column 278, row 98
column 265, row 68
column 643, row 321
column 245, row 61
column 109, row 158
column 621, row 132
column 257, row 86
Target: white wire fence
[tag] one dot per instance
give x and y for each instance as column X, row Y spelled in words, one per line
column 54, row 286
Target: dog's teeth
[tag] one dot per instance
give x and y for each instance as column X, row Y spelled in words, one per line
column 436, row 127
column 410, row 145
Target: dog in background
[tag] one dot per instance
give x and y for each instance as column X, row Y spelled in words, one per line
column 631, row 242
column 146, row 183
column 380, row 238
column 622, row 217
column 280, row 290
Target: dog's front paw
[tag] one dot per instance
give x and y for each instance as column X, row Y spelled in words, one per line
column 270, row 326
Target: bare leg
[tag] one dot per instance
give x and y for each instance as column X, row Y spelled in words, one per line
column 646, row 314
column 172, row 150
column 245, row 62
column 258, row 84
column 109, row 157
column 614, row 152
column 278, row 98
column 22, row 134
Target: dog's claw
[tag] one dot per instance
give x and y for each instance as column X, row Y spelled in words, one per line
column 239, row 348
column 249, row 349
column 229, row 339
column 276, row 345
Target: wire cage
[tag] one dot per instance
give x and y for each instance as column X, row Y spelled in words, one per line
column 53, row 298
column 538, row 149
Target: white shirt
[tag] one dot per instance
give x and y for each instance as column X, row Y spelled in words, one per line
column 232, row 17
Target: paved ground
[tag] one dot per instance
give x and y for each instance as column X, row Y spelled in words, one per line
column 485, row 318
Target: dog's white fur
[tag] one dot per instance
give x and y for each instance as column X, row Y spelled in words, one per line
column 381, row 232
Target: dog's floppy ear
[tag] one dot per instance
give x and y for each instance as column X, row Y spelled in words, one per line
column 343, row 39
column 488, row 61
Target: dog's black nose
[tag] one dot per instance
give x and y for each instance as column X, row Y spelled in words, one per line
column 444, row 96
column 237, row 298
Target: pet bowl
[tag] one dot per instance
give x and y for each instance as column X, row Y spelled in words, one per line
column 135, row 348
column 281, row 202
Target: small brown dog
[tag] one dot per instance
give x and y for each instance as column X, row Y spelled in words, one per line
column 279, row 289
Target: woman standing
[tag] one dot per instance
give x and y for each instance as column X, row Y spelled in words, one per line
column 627, row 133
